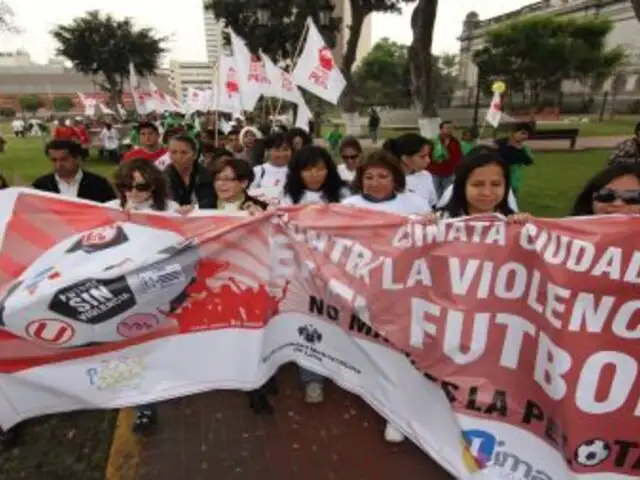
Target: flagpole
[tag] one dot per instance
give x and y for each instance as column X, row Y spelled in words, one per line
column 216, row 101
column 296, row 55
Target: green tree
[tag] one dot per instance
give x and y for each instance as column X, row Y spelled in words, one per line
column 62, row 103
column 280, row 38
column 536, row 53
column 381, row 78
column 31, row 103
column 6, row 18
column 102, row 47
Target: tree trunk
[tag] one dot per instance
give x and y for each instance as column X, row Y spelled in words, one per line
column 358, row 16
column 635, row 4
column 421, row 67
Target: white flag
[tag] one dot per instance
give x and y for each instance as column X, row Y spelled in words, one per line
column 89, row 104
column 282, row 84
column 228, row 91
column 316, row 71
column 494, row 114
column 254, row 79
column 303, row 117
column 142, row 98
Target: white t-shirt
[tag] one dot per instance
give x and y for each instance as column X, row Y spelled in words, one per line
column 446, row 196
column 406, row 203
column 310, row 197
column 145, row 206
column 17, row 125
column 421, row 183
column 346, row 174
column 110, row 139
column 268, row 176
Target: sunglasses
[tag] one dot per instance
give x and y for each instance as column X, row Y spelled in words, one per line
column 139, row 187
column 608, row 195
column 349, row 157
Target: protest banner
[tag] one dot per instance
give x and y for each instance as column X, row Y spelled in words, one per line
column 490, row 345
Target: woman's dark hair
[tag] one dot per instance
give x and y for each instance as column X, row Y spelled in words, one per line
column 478, row 157
column 408, row 145
column 216, row 154
column 350, row 142
column 240, row 168
column 276, row 140
column 299, row 132
column 151, row 174
column 174, row 133
column 584, row 202
column 147, row 125
column 383, row 159
column 187, row 140
column 3, row 183
column 310, row 156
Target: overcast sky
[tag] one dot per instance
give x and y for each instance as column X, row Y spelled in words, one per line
column 183, row 22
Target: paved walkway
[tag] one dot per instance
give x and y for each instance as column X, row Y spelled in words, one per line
column 216, row 436
column 583, row 143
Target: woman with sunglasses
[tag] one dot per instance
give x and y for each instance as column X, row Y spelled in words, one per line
column 614, row 190
column 351, row 154
column 142, row 186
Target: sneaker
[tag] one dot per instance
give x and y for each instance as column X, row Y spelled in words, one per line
column 314, row 393
column 146, row 419
column 392, row 434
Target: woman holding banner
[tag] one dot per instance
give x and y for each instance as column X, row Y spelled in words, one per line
column 614, row 190
column 313, row 178
column 380, row 184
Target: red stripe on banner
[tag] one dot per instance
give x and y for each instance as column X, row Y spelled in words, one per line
column 22, row 226
column 10, row 268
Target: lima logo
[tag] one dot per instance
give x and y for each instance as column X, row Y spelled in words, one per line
column 489, row 451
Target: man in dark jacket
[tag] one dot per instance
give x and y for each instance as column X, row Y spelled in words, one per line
column 68, row 178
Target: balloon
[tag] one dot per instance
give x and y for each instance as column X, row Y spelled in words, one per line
column 498, row 87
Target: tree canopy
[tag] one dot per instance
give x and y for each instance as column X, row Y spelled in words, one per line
column 62, row 103
column 6, row 18
column 31, row 103
column 103, row 46
column 538, row 52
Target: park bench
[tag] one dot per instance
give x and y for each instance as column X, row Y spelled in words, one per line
column 570, row 134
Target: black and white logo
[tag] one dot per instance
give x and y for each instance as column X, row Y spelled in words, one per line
column 161, row 278
column 310, row 334
column 592, row 453
column 99, row 239
column 93, row 301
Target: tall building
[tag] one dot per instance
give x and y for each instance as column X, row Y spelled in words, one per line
column 625, row 33
column 213, row 35
column 183, row 75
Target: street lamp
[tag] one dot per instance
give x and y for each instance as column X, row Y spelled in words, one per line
column 325, row 11
column 263, row 13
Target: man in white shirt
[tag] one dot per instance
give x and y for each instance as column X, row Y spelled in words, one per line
column 110, row 141
column 18, row 127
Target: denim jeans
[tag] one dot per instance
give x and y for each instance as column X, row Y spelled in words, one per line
column 307, row 376
column 441, row 183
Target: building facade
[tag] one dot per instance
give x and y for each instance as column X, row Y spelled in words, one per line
column 20, row 77
column 213, row 35
column 183, row 75
column 625, row 33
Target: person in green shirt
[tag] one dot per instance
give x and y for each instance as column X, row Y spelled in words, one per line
column 468, row 140
column 334, row 139
column 516, row 153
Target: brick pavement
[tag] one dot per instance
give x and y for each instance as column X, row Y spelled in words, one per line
column 216, row 436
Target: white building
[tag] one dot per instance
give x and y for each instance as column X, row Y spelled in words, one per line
column 626, row 33
column 183, row 75
column 19, row 58
column 213, row 35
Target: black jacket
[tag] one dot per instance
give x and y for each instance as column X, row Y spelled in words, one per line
column 200, row 186
column 92, row 187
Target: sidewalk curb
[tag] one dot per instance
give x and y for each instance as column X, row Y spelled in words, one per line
column 126, row 449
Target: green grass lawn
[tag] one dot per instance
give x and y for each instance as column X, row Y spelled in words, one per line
column 549, row 188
